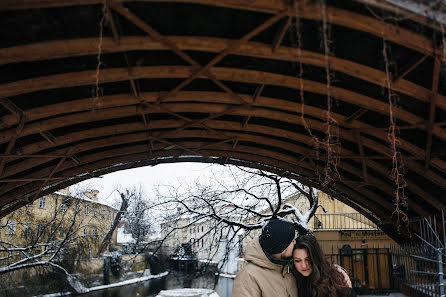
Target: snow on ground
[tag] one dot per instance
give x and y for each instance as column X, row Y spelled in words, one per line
column 123, row 283
column 187, row 292
column 226, row 275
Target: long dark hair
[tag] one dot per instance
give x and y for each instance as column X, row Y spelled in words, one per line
column 324, row 280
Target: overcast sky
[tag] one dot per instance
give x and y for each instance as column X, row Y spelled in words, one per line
column 148, row 177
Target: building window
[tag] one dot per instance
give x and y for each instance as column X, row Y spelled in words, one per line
column 10, row 227
column 202, row 242
column 86, row 210
column 42, row 202
column 63, row 206
column 77, row 208
column 93, row 233
column 95, row 211
column 102, row 213
column 61, row 231
column 85, row 232
column 202, row 228
column 90, row 253
column 26, row 229
column 40, row 228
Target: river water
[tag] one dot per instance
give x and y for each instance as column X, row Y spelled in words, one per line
column 174, row 280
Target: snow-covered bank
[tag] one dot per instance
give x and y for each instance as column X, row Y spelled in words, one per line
column 103, row 287
column 187, row 292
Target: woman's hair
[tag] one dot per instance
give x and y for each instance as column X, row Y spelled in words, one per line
column 324, row 280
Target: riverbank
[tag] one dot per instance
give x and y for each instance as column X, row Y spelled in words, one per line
column 104, row 287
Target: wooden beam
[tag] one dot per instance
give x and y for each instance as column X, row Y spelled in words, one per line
column 311, row 11
column 234, row 145
column 237, row 155
column 433, row 104
column 88, row 46
column 14, row 109
column 256, row 95
column 409, row 68
column 123, row 99
column 356, row 115
column 31, row 179
column 15, row 156
column 48, row 136
column 75, row 159
column 154, row 34
column 11, row 144
column 361, row 153
column 247, row 76
column 280, row 34
column 47, row 179
column 124, row 112
column 172, row 145
column 111, row 20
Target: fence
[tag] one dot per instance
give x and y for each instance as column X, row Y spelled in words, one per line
column 418, row 267
column 349, row 221
column 369, row 269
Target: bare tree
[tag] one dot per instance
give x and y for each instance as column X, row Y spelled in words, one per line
column 232, row 204
column 47, row 242
column 125, row 197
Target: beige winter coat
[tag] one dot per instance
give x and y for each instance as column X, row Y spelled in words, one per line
column 262, row 278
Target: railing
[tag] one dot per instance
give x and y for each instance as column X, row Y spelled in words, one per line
column 419, row 267
column 342, row 221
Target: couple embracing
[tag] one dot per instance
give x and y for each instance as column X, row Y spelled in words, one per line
column 281, row 266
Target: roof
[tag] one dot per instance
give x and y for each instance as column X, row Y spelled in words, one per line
column 84, row 198
column 341, row 95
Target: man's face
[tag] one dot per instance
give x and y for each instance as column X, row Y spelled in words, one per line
column 288, row 252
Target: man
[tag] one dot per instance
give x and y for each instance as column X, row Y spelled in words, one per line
column 267, row 273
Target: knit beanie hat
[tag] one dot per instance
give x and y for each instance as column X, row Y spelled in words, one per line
column 276, row 236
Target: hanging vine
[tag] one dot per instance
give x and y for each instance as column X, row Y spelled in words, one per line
column 397, row 172
column 97, row 101
column 331, row 142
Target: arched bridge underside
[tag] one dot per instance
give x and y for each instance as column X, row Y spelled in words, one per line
column 342, row 95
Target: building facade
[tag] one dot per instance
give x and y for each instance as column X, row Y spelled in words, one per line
column 79, row 223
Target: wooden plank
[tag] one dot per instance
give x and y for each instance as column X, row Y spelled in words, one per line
column 277, row 116
column 312, row 11
column 80, row 47
column 11, row 144
column 280, row 34
column 363, row 157
column 247, row 76
column 123, row 100
column 123, row 111
column 262, row 153
column 433, row 105
column 409, row 68
column 154, row 34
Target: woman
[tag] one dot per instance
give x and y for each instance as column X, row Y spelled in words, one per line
column 316, row 277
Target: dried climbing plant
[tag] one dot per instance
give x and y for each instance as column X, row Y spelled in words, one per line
column 397, row 172
column 97, row 102
column 331, row 142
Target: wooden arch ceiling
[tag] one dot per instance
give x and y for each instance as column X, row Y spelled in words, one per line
column 223, row 81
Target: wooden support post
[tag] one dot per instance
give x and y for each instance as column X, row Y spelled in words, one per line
column 280, row 34
column 361, row 153
column 356, row 115
column 435, row 80
column 48, row 136
column 52, row 173
column 410, row 67
column 11, row 143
